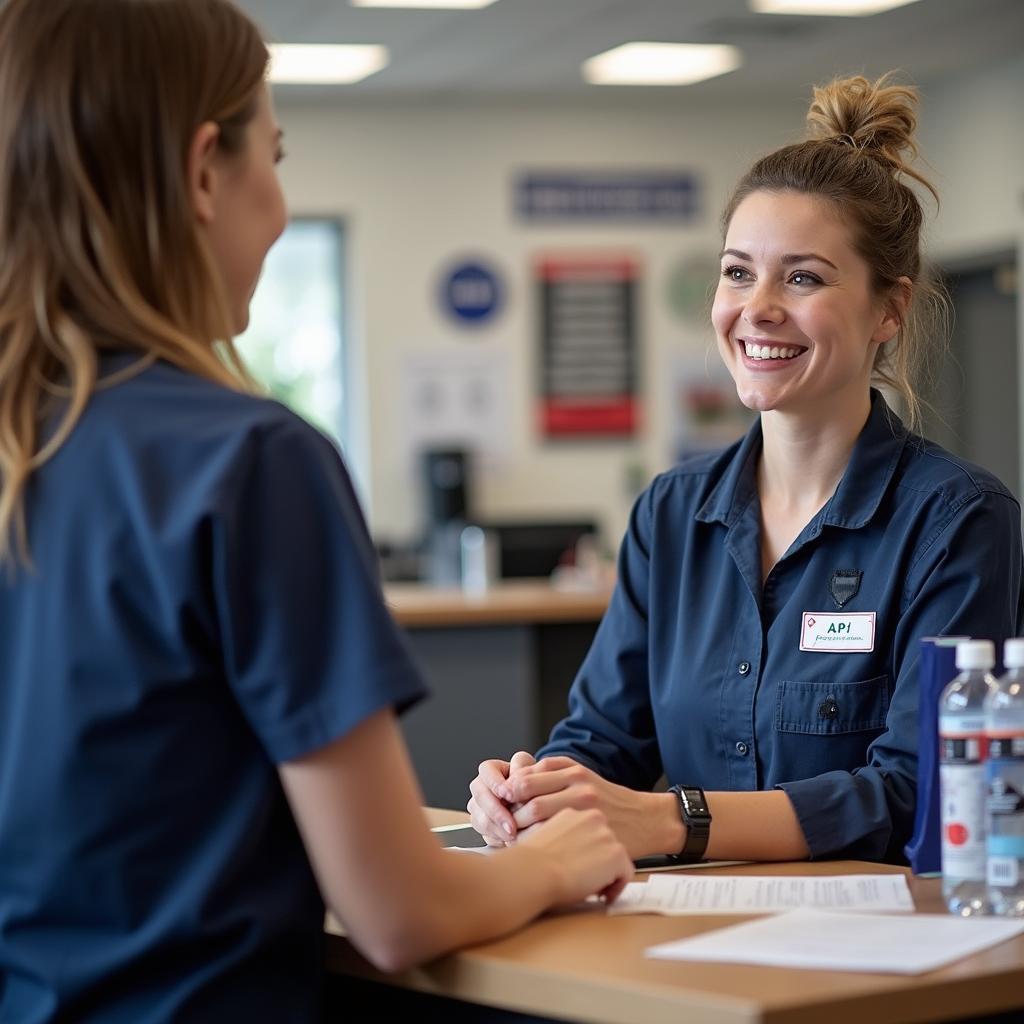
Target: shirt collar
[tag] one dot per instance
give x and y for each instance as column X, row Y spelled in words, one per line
column 860, row 491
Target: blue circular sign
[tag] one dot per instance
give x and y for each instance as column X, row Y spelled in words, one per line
column 472, row 293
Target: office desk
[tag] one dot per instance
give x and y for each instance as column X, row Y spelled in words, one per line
column 590, row 967
column 499, row 667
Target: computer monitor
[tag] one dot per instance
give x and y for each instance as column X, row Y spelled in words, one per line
column 536, row 547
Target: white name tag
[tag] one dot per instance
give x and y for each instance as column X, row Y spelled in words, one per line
column 840, row 634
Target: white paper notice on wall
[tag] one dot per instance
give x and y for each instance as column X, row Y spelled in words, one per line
column 457, row 400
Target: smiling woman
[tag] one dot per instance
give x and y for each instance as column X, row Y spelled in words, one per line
column 762, row 641
column 797, row 323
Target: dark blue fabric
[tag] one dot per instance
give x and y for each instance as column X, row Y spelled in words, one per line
column 204, row 604
column 663, row 691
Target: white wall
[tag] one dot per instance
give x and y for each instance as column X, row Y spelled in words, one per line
column 417, row 186
column 972, row 136
column 421, row 184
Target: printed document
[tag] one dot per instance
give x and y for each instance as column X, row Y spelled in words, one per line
column 763, row 894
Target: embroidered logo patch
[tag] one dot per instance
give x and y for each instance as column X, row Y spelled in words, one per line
column 844, row 585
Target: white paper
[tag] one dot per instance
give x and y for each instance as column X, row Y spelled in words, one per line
column 457, row 399
column 763, row 894
column 823, row 940
column 696, row 865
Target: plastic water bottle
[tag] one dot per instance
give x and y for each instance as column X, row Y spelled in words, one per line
column 962, row 778
column 479, row 560
column 1004, row 770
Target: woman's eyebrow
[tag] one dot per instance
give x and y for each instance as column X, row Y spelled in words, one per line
column 796, row 257
column 803, row 257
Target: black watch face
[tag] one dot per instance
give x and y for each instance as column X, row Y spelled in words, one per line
column 695, row 804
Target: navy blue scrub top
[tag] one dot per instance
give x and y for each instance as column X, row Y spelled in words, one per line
column 204, row 605
column 696, row 671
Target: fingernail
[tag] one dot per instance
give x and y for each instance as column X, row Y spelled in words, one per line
column 503, row 793
column 507, row 827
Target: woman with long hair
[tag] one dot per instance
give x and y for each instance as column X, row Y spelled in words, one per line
column 198, row 676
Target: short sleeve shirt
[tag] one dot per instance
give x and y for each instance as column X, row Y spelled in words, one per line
column 203, row 605
column 701, row 671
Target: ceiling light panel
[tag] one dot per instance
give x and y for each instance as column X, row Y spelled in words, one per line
column 316, row 64
column 438, row 5
column 661, row 64
column 835, row 8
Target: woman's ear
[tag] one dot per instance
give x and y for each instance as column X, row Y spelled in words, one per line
column 894, row 310
column 203, row 171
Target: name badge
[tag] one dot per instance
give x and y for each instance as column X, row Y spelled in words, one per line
column 838, row 634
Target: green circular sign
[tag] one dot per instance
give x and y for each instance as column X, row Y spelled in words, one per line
column 691, row 286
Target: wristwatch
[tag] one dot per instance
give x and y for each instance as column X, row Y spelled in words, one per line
column 693, row 809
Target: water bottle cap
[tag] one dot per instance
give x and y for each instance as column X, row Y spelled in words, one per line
column 1013, row 653
column 975, row 654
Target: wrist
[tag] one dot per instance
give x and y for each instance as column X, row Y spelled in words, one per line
column 696, row 818
column 667, row 834
column 541, row 864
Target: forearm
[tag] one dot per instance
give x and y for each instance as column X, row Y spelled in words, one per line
column 466, row 898
column 754, row 826
column 745, row 826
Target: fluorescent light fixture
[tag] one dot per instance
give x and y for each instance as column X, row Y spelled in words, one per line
column 661, row 64
column 315, row 64
column 836, row 8
column 440, row 5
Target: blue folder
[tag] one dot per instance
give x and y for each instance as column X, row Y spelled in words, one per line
column 937, row 669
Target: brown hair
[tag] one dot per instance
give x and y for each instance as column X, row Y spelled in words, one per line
column 861, row 139
column 99, row 246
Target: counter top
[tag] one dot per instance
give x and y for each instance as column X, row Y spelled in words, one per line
column 508, row 602
column 588, row 966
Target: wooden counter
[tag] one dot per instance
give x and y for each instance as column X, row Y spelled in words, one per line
column 587, row 966
column 527, row 602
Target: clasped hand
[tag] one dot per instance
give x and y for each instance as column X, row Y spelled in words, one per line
column 511, row 797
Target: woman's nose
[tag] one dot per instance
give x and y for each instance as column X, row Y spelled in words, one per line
column 763, row 305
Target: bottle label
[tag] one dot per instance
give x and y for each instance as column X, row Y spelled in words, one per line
column 963, row 820
column 962, row 738
column 1005, row 809
column 1003, row 872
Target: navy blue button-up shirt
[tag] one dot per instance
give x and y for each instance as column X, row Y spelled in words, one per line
column 696, row 671
column 204, row 605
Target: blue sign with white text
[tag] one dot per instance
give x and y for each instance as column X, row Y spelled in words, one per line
column 472, row 292
column 609, row 196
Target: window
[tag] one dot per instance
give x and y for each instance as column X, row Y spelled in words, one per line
column 293, row 345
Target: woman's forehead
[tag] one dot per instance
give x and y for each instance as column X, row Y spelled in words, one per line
column 776, row 223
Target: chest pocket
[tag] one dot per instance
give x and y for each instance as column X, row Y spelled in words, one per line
column 832, row 709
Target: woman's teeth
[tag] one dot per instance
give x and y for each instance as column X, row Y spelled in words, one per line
column 770, row 351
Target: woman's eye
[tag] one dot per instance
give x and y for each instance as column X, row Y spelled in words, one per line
column 801, row 277
column 735, row 273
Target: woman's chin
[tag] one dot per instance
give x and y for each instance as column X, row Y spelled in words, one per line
column 241, row 321
column 756, row 400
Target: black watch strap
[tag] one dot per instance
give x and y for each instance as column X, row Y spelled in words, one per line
column 693, row 809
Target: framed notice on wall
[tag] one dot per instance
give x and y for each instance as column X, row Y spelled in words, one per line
column 588, row 357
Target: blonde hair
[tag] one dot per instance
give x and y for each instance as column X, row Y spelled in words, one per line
column 99, row 246
column 857, row 157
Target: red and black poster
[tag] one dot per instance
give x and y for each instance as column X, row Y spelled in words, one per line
column 588, row 345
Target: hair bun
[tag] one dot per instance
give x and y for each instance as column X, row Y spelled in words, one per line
column 875, row 117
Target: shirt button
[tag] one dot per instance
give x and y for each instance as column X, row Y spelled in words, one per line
column 742, row 748
column 743, row 668
column 828, row 708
